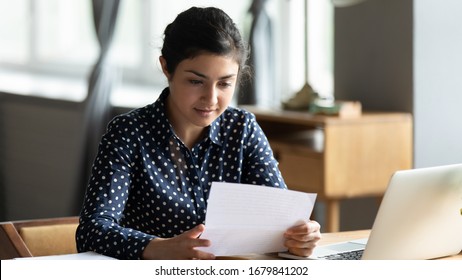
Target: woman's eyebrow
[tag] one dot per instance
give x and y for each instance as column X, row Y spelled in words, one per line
column 206, row 77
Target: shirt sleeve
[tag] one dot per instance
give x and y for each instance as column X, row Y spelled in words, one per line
column 260, row 167
column 106, row 197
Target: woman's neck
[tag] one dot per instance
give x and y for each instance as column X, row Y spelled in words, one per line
column 188, row 133
column 190, row 137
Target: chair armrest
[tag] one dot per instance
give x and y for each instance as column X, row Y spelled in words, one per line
column 12, row 245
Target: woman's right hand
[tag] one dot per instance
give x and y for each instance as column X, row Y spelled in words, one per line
column 182, row 246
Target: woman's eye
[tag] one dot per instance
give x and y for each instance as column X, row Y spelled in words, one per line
column 195, row 82
column 225, row 84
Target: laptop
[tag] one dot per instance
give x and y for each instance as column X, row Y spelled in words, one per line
column 420, row 217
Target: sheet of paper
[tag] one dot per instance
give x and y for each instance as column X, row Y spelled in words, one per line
column 76, row 256
column 244, row 219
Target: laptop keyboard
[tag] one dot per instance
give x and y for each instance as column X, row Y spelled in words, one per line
column 352, row 255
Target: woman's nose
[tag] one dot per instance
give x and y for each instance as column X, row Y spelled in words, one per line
column 210, row 95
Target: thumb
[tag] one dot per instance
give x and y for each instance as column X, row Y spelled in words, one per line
column 195, row 232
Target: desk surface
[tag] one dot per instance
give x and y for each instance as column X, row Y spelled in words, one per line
column 308, row 119
column 329, row 238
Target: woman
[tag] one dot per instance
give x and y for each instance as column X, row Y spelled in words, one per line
column 147, row 195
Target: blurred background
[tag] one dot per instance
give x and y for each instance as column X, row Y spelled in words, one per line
column 392, row 55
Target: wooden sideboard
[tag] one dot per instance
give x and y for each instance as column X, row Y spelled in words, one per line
column 338, row 158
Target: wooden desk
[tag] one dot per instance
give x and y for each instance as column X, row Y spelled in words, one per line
column 330, row 238
column 338, row 158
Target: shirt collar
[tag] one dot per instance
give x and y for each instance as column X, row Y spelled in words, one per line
column 214, row 131
column 160, row 115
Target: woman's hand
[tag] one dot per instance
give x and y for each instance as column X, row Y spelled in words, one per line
column 182, row 246
column 301, row 240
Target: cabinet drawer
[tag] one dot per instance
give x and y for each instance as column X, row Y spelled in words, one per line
column 301, row 172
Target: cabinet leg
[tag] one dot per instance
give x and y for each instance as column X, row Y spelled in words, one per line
column 332, row 215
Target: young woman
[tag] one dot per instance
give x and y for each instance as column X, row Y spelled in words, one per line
column 147, row 196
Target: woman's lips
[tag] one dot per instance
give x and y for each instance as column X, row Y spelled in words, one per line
column 205, row 112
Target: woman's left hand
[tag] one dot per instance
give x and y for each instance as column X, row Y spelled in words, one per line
column 301, row 239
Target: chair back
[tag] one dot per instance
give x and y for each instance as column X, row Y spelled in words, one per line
column 40, row 237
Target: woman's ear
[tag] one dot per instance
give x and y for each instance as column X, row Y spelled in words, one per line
column 163, row 64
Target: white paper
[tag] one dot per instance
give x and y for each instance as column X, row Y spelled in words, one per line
column 76, row 256
column 245, row 219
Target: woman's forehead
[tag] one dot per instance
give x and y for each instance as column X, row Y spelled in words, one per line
column 210, row 66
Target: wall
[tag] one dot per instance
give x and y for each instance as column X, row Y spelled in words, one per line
column 437, row 82
column 374, row 55
column 39, row 157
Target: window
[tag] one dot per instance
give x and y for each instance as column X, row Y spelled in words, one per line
column 56, row 38
column 47, row 35
column 14, row 41
column 321, row 46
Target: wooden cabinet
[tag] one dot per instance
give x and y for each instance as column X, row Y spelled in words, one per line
column 338, row 158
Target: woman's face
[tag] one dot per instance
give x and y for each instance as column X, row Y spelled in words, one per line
column 201, row 89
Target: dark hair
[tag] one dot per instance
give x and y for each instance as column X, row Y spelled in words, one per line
column 203, row 30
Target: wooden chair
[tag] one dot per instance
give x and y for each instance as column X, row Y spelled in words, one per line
column 39, row 237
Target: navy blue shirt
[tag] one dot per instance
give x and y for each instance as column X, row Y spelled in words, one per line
column 146, row 183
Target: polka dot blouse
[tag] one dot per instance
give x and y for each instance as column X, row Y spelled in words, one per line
column 146, row 183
